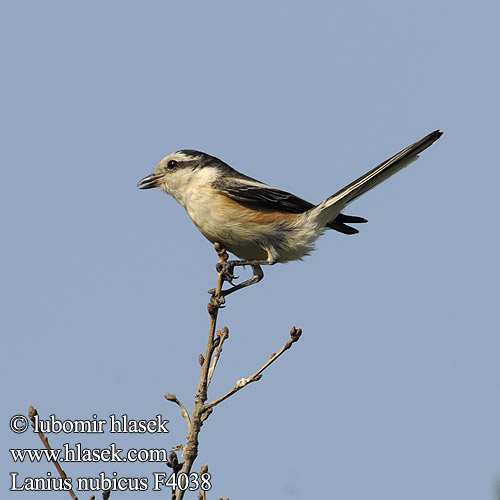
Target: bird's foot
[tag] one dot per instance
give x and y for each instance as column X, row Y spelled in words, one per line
column 218, row 302
column 227, row 270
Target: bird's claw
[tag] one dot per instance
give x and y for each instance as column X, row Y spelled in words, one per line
column 217, row 302
column 227, row 271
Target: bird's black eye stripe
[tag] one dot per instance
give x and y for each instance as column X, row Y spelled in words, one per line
column 172, row 164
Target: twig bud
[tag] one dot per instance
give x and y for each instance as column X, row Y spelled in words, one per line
column 201, row 359
column 173, row 463
column 295, row 334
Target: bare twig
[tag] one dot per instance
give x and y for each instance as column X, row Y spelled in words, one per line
column 213, row 311
column 184, row 412
column 199, row 413
column 32, row 413
column 208, row 362
column 295, row 334
column 222, row 335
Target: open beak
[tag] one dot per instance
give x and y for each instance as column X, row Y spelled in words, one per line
column 151, row 181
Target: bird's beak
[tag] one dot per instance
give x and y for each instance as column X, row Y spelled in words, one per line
column 151, row 181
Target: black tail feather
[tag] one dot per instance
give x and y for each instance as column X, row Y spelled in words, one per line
column 352, row 219
column 339, row 223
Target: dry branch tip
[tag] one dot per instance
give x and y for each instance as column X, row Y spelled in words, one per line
column 173, row 399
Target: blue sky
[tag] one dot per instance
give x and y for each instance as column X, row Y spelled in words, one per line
column 393, row 390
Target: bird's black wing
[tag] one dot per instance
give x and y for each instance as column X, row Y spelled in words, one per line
column 253, row 194
column 263, row 196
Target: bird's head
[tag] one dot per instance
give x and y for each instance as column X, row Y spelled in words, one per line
column 182, row 172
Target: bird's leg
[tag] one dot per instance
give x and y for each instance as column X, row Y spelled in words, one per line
column 258, row 274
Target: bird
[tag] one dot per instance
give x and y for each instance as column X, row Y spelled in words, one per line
column 259, row 224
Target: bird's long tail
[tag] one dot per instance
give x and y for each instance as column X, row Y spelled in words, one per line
column 328, row 210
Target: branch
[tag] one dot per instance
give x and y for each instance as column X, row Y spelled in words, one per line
column 200, row 413
column 295, row 334
column 201, row 410
column 32, row 413
column 213, row 311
